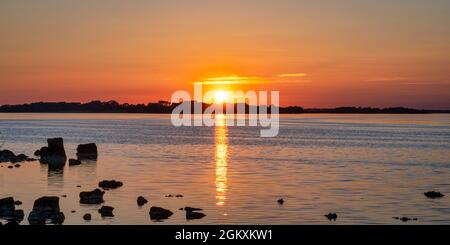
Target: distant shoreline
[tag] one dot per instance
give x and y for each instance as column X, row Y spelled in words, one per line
column 164, row 107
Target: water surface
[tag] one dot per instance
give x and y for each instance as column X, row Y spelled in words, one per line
column 366, row 168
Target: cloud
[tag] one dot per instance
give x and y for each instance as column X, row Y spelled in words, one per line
column 293, row 75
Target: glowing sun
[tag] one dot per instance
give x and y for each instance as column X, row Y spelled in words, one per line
column 220, row 96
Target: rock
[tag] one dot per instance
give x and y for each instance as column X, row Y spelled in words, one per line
column 17, row 203
column 46, row 209
column 63, row 195
column 110, row 184
column 141, row 201
column 158, row 213
column 73, row 162
column 87, row 151
column 169, row 195
column 433, row 194
column 331, row 216
column 12, row 223
column 9, row 156
column 37, row 153
column 92, row 197
column 19, row 215
column 179, row 195
column 87, row 217
column 73, row 211
column 106, row 211
column 190, row 209
column 7, row 207
column 10, row 167
column 54, row 154
column 405, row 219
column 190, row 214
column 17, row 165
column 280, row 201
column 78, row 186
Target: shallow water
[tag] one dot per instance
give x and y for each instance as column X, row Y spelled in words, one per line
column 366, row 168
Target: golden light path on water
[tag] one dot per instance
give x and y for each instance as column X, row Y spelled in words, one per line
column 221, row 155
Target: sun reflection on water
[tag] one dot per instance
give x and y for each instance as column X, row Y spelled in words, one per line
column 221, row 155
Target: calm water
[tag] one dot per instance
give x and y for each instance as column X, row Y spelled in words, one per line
column 366, row 168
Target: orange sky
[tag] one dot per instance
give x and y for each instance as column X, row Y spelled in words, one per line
column 339, row 53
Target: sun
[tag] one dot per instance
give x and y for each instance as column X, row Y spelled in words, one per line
column 220, row 96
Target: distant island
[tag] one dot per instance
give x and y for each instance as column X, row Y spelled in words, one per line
column 167, row 107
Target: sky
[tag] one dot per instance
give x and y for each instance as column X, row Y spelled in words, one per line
column 316, row 53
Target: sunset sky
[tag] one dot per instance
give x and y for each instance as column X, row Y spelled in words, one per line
column 316, row 53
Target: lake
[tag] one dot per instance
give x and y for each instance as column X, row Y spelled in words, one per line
column 365, row 168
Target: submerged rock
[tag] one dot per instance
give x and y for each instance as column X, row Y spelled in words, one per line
column 87, row 151
column 106, row 211
column 73, row 162
column 46, row 209
column 110, row 184
column 158, row 213
column 87, row 217
column 433, row 194
column 331, row 216
column 141, row 201
column 280, row 201
column 92, row 197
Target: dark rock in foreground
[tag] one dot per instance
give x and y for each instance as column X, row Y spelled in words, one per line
column 87, row 151
column 433, row 194
column 8, row 210
column 110, row 184
column 46, row 209
column 73, row 162
column 92, row 197
column 331, row 216
column 141, row 201
column 12, row 223
column 106, row 211
column 87, row 217
column 280, row 201
column 158, row 213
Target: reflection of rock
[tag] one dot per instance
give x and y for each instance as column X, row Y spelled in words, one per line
column 46, row 208
column 87, row 151
column 8, row 210
column 92, row 197
column 54, row 154
column 141, row 201
column 110, row 184
column 106, row 211
column 87, row 217
column 331, row 216
column 433, row 194
column 73, row 162
column 158, row 213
